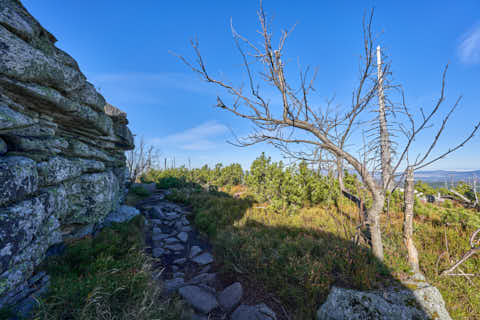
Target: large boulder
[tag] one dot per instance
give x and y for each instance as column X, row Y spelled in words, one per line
column 417, row 300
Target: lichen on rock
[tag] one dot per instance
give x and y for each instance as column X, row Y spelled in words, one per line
column 62, row 162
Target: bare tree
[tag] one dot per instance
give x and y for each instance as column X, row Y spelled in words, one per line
column 385, row 144
column 299, row 128
column 141, row 159
column 412, row 131
column 297, row 122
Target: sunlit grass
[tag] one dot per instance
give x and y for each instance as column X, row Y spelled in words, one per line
column 298, row 257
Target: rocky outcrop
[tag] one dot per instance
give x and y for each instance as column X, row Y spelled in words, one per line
column 417, row 300
column 62, row 163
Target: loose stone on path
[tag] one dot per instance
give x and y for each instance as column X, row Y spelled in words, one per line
column 203, row 259
column 199, row 298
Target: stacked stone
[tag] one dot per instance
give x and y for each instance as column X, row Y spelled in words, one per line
column 186, row 262
column 62, row 162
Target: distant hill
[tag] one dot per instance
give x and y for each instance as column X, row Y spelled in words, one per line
column 443, row 175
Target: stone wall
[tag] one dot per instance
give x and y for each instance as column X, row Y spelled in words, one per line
column 62, row 162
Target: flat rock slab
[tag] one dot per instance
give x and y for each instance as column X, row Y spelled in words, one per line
column 123, row 214
column 194, row 251
column 204, row 278
column 180, row 261
column 258, row 312
column 391, row 303
column 183, row 236
column 199, row 298
column 175, row 247
column 231, row 296
column 203, row 259
column 171, row 240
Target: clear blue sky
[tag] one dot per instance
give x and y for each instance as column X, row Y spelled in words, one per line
column 123, row 48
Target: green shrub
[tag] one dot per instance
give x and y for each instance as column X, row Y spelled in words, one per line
column 139, row 191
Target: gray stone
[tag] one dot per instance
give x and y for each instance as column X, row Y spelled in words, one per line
column 257, row 312
column 171, row 240
column 171, row 215
column 199, row 298
column 158, row 252
column 179, row 275
column 425, row 302
column 203, row 259
column 204, row 278
column 175, row 247
column 185, row 221
column 156, row 221
column 180, row 261
column 178, row 225
column 3, row 147
column 197, row 316
column 170, row 286
column 186, row 229
column 183, row 236
column 159, row 236
column 123, row 214
column 231, row 296
column 156, row 231
column 194, row 251
column 157, row 213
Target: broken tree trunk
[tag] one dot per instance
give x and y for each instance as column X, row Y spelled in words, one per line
column 408, row 221
column 384, row 136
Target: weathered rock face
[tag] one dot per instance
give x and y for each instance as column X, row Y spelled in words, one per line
column 62, row 162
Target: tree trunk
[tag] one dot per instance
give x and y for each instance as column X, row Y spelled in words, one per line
column 408, row 221
column 373, row 221
column 384, row 136
column 340, row 173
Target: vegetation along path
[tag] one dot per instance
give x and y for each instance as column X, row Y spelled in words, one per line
column 184, row 263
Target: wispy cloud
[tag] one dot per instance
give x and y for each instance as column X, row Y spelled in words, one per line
column 469, row 48
column 147, row 88
column 199, row 138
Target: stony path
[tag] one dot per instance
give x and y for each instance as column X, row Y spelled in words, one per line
column 184, row 263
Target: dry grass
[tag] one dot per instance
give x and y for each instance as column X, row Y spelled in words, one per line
column 299, row 257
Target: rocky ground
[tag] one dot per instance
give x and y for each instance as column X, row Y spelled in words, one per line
column 184, row 264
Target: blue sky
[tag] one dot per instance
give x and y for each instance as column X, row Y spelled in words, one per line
column 124, row 47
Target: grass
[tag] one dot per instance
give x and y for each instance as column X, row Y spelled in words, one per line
column 135, row 194
column 299, row 257
column 106, row 277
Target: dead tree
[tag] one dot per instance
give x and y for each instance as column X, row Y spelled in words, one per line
column 140, row 160
column 297, row 122
column 385, row 144
column 412, row 130
column 474, row 249
column 408, row 221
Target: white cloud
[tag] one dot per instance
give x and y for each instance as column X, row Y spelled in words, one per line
column 199, row 138
column 469, row 48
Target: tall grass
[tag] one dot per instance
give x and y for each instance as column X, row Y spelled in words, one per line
column 106, row 277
